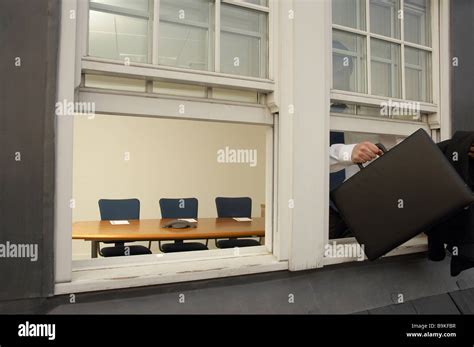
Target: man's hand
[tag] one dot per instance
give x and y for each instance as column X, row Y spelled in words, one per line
column 366, row 151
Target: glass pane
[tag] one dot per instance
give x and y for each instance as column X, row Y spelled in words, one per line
column 349, row 62
column 140, row 5
column 386, row 71
column 244, row 42
column 384, row 17
column 350, row 13
column 417, row 74
column 417, row 22
column 185, row 34
column 118, row 37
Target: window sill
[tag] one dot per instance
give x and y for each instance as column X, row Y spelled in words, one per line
column 375, row 100
column 111, row 67
column 416, row 245
column 376, row 125
column 149, row 270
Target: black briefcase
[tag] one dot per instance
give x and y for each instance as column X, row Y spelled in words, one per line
column 406, row 191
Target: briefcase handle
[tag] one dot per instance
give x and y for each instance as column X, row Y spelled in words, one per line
column 381, row 147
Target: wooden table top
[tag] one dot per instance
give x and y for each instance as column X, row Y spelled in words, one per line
column 151, row 229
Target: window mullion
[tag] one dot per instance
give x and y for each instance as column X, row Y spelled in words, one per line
column 217, row 36
column 369, row 57
column 402, row 48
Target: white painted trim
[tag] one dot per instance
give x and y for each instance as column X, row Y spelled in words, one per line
column 217, row 36
column 269, row 171
column 82, row 37
column 273, row 54
column 168, row 272
column 402, row 51
column 64, row 145
column 272, row 35
column 119, row 103
column 445, row 66
column 368, row 48
column 375, row 126
column 284, row 133
column 373, row 100
column 148, row 71
column 311, row 58
column 122, row 11
column 248, row 5
column 165, row 258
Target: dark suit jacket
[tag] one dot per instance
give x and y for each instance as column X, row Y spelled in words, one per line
column 458, row 231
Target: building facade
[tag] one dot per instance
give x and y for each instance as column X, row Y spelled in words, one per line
column 304, row 70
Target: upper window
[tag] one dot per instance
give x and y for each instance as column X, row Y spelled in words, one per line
column 380, row 48
column 187, row 34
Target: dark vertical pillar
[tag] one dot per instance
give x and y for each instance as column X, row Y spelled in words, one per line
column 336, row 178
column 29, row 33
column 462, row 48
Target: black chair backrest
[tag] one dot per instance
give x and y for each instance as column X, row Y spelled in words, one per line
column 179, row 208
column 119, row 209
column 234, row 207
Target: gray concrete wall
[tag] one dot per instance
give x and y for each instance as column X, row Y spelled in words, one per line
column 28, row 44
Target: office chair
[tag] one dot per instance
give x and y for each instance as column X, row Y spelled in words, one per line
column 121, row 209
column 230, row 208
column 180, row 208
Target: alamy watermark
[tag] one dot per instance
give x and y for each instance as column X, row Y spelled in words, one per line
column 344, row 250
column 28, row 329
column 69, row 108
column 242, row 156
column 19, row 250
column 392, row 109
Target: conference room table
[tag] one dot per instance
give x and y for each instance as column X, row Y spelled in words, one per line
column 153, row 230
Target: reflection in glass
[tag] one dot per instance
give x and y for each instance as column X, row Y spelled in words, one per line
column 386, row 71
column 349, row 62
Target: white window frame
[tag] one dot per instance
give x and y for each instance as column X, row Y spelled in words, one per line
column 437, row 123
column 373, row 100
column 87, row 275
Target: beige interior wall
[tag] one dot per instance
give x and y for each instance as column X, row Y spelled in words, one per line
column 167, row 158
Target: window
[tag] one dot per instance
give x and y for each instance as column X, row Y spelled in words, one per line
column 382, row 49
column 118, row 29
column 383, row 74
column 186, row 35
